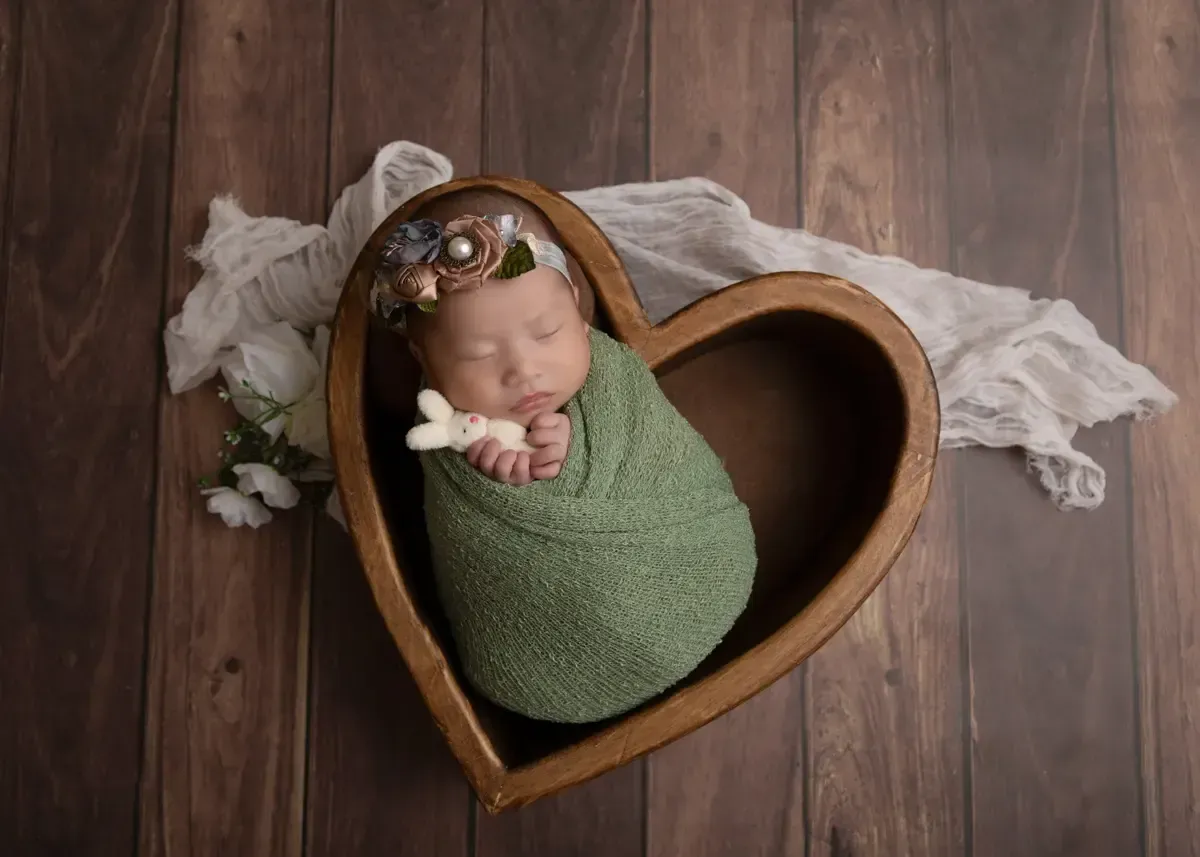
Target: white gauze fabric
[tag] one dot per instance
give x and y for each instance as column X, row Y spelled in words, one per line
column 1011, row 370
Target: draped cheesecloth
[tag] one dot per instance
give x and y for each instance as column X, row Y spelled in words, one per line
column 1011, row 370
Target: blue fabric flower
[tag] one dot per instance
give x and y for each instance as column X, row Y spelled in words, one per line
column 414, row 242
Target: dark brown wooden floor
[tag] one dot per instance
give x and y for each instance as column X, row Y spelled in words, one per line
column 1026, row 682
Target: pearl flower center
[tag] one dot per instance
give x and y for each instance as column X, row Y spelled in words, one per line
column 460, row 248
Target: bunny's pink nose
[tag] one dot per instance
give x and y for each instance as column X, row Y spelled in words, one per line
column 474, row 419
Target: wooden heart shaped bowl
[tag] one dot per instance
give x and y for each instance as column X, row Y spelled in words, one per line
column 818, row 398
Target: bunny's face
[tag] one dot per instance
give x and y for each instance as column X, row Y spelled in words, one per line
column 465, row 429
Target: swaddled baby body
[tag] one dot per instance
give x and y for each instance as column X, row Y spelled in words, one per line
column 601, row 562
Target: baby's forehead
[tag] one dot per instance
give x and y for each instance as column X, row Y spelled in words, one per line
column 539, row 293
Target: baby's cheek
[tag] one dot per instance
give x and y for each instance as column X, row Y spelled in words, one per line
column 471, row 387
column 577, row 363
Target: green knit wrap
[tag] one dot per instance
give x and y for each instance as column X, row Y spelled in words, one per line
column 578, row 598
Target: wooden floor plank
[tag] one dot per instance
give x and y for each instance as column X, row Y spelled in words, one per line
column 722, row 98
column 381, row 778
column 603, row 817
column 84, row 268
column 884, row 696
column 225, row 722
column 1156, row 85
column 722, row 103
column 9, row 52
column 1047, row 592
column 444, row 112
column 566, row 107
column 566, row 89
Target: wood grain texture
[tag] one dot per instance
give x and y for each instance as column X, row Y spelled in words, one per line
column 543, row 65
column 381, row 779
column 603, row 817
column 84, row 271
column 1156, row 85
column 1047, row 592
column 566, row 93
column 9, row 52
column 374, row 99
column 228, row 670
column 884, row 697
column 735, row 786
column 722, row 105
column 722, row 99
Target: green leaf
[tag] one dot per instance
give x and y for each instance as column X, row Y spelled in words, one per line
column 517, row 261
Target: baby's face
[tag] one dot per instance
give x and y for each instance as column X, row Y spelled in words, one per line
column 510, row 350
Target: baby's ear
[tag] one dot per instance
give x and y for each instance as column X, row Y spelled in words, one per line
column 581, row 288
column 585, row 313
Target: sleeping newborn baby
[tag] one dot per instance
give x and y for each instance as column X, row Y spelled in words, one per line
column 600, row 563
column 517, row 350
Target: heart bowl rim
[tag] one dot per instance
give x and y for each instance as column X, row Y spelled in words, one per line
column 677, row 713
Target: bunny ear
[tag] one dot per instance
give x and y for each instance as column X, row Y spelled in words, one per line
column 434, row 406
column 427, row 436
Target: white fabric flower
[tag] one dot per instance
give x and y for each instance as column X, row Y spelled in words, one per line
column 235, row 508
column 306, row 426
column 276, row 489
column 277, row 362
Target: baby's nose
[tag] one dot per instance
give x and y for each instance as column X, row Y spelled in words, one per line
column 519, row 373
column 521, row 370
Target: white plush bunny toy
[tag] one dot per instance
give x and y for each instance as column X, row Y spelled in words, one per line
column 458, row 429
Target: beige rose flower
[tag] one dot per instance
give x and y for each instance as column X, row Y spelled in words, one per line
column 417, row 283
column 489, row 250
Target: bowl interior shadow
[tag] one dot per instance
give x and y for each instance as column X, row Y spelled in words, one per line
column 807, row 414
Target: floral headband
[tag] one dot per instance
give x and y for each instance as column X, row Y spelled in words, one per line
column 420, row 260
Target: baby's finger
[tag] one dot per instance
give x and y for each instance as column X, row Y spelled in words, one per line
column 489, row 455
column 504, row 465
column 475, row 451
column 546, row 471
column 544, row 436
column 545, row 420
column 520, row 473
column 548, row 454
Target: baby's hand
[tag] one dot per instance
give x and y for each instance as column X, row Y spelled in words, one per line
column 550, row 435
column 496, row 462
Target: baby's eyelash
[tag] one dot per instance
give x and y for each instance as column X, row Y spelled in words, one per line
column 550, row 333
